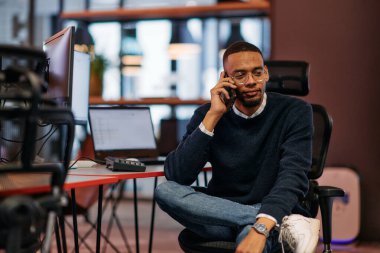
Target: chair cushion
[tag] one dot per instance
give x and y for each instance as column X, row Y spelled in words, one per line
column 193, row 243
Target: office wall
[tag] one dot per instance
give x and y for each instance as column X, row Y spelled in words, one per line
column 341, row 40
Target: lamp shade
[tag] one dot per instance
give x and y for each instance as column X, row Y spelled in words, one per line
column 235, row 34
column 181, row 43
column 83, row 39
column 132, row 53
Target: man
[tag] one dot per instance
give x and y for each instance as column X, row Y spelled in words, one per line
column 260, row 152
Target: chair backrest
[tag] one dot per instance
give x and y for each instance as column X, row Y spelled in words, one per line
column 322, row 123
column 292, row 78
column 288, row 77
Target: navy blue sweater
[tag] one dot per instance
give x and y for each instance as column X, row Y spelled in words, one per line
column 264, row 159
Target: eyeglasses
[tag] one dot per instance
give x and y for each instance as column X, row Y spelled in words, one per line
column 241, row 78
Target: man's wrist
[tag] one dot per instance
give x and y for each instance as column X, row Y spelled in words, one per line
column 262, row 215
column 263, row 226
column 210, row 120
column 204, row 130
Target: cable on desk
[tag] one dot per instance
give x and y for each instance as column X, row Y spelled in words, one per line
column 86, row 158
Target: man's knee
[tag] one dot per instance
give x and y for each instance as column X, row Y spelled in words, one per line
column 164, row 190
column 172, row 192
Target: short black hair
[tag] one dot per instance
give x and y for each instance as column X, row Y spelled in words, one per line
column 240, row 46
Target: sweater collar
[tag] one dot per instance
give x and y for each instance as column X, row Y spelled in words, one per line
column 260, row 110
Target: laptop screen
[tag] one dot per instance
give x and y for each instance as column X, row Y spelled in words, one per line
column 122, row 131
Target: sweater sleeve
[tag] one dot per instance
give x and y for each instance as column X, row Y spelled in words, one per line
column 184, row 163
column 295, row 162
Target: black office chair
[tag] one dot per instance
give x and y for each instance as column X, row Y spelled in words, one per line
column 288, row 77
column 24, row 218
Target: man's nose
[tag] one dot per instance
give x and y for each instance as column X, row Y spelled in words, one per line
column 251, row 82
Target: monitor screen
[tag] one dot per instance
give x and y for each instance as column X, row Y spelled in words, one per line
column 80, row 87
column 121, row 128
column 59, row 50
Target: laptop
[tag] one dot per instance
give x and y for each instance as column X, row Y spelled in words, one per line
column 124, row 132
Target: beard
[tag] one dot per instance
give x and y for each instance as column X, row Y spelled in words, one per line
column 249, row 102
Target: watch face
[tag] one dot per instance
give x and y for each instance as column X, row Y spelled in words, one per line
column 261, row 227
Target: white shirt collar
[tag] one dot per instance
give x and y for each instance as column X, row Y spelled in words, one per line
column 260, row 110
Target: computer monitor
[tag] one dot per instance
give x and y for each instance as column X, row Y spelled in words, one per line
column 59, row 50
column 68, row 74
column 80, row 87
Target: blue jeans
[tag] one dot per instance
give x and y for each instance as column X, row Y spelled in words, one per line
column 208, row 216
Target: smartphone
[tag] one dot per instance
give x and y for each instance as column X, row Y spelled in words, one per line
column 232, row 93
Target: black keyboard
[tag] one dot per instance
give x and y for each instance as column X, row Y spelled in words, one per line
column 125, row 164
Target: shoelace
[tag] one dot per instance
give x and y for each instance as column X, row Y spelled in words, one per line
column 285, row 235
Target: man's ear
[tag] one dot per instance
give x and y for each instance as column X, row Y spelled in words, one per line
column 267, row 73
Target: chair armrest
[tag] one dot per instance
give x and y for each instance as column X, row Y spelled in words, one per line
column 325, row 199
column 329, row 191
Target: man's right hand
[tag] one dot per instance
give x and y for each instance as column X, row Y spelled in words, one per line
column 218, row 107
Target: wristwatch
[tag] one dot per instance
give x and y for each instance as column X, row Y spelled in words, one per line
column 261, row 228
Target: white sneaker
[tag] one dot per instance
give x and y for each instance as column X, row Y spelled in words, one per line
column 300, row 233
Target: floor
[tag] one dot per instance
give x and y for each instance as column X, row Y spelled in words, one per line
column 165, row 234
